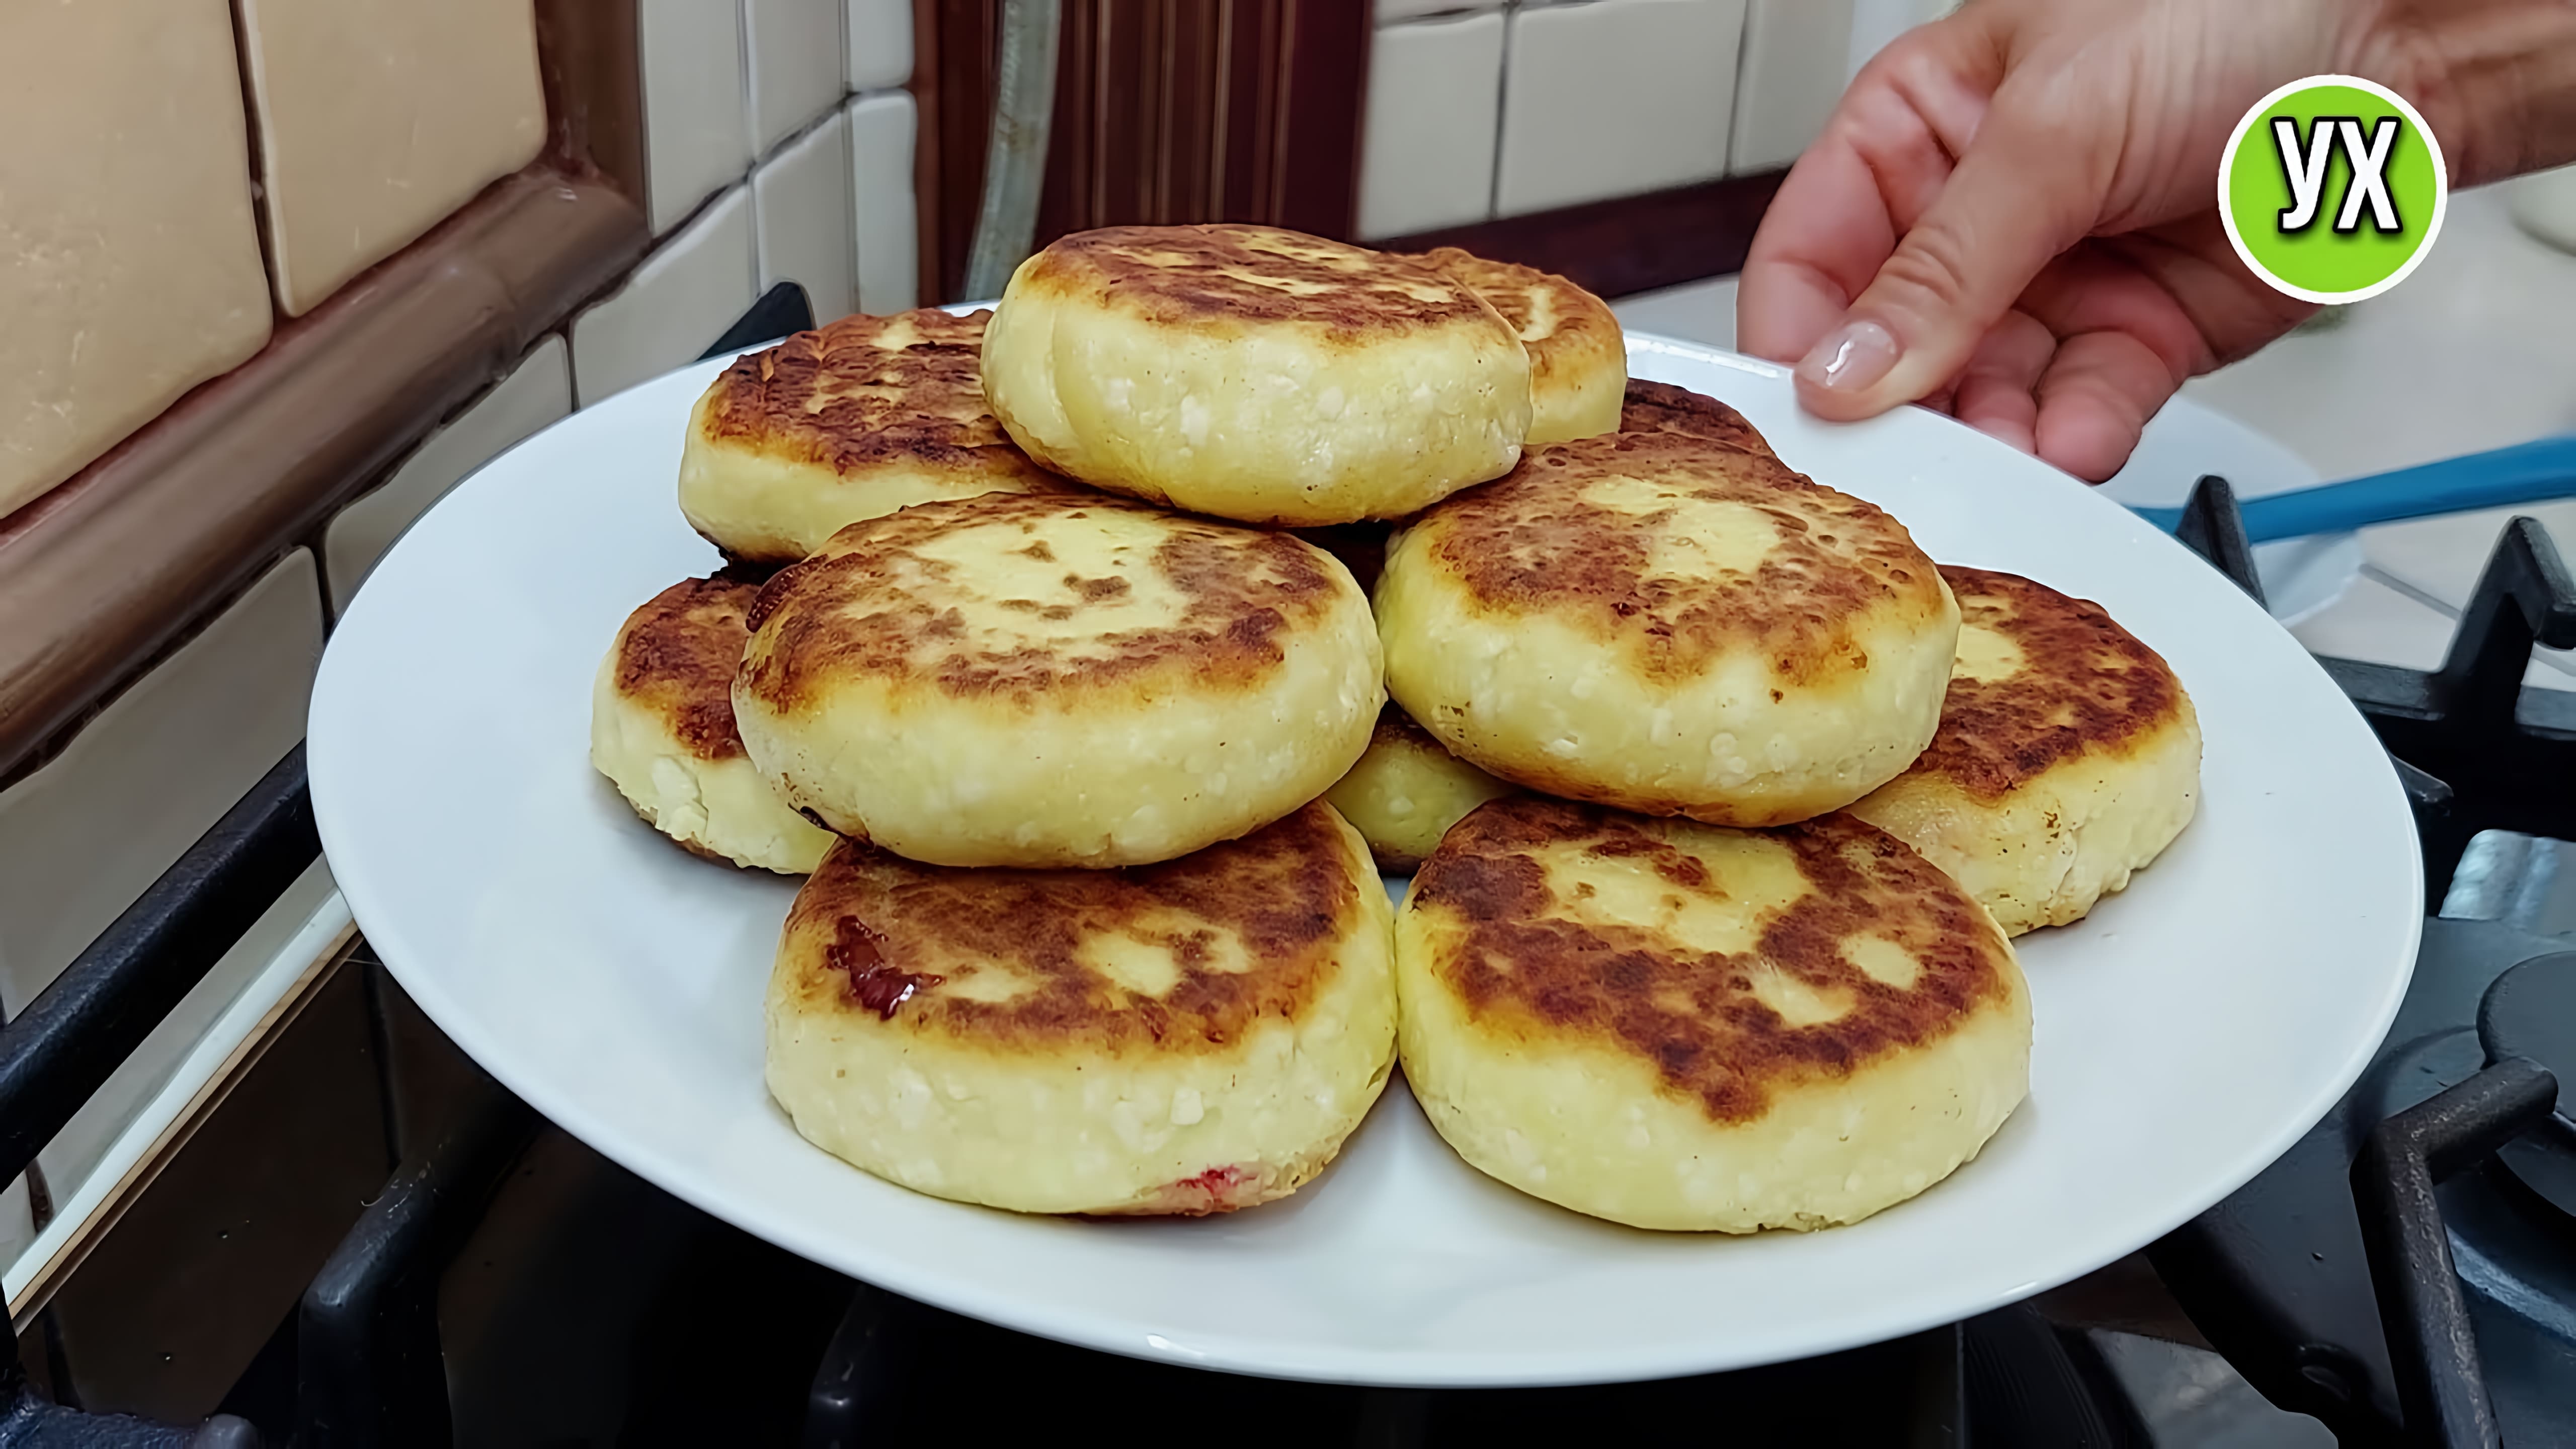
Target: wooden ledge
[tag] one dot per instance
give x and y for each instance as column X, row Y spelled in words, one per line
column 101, row 575
column 1630, row 244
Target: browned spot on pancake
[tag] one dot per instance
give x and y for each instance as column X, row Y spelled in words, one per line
column 871, row 603
column 1285, row 894
column 1227, row 274
column 1360, row 546
column 2085, row 684
column 1518, row 962
column 676, row 656
column 858, row 953
column 867, row 392
column 1533, row 542
column 1660, row 407
column 1561, row 324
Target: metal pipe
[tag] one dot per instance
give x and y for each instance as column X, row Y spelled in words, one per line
column 1015, row 157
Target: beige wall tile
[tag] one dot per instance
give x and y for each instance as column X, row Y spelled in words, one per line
column 800, row 203
column 1427, row 154
column 537, row 392
column 1796, row 53
column 881, row 133
column 1615, row 98
column 84, row 835
column 671, row 308
column 377, row 118
column 129, row 263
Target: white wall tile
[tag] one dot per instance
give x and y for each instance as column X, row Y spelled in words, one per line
column 1614, row 98
column 796, row 52
column 1876, row 22
column 68, row 1159
column 1796, row 57
column 1391, row 11
column 672, row 308
column 1702, row 311
column 801, row 212
column 697, row 140
column 880, row 44
column 881, row 132
column 537, row 392
column 84, row 835
column 379, row 117
column 1427, row 151
column 17, row 1222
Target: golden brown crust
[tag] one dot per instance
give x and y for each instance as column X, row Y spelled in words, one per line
column 677, row 654
column 2084, row 684
column 1660, row 407
column 874, row 603
column 1010, row 958
column 1523, row 962
column 1226, row 275
column 1558, row 322
column 865, row 392
column 1538, row 540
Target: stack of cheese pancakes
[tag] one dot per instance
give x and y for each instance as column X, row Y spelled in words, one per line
column 1042, row 647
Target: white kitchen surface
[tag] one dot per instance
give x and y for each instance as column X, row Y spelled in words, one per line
column 2476, row 350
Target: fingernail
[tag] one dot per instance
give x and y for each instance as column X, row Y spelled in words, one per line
column 1851, row 359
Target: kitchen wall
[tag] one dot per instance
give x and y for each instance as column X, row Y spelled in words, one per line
column 1484, row 109
column 190, row 185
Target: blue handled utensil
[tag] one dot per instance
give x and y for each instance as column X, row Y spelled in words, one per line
column 2524, row 473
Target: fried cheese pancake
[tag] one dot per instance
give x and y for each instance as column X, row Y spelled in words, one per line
column 1188, row 1038
column 2068, row 756
column 1407, row 791
column 853, row 420
column 1578, row 356
column 1660, row 407
column 1039, row 680
column 1674, row 1025
column 1255, row 374
column 1669, row 625
column 662, row 730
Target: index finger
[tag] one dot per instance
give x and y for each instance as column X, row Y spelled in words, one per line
column 1882, row 160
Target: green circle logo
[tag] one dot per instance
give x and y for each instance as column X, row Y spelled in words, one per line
column 2333, row 188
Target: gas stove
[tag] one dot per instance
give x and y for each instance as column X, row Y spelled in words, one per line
column 2405, row 1274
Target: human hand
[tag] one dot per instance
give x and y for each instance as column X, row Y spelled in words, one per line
column 2012, row 213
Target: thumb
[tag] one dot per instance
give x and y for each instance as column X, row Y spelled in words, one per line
column 2024, row 191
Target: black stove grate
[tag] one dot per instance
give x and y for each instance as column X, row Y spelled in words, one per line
column 2332, row 1280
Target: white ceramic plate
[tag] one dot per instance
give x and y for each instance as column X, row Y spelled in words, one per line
column 2187, row 1033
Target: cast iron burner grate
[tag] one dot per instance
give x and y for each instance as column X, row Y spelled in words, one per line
column 2399, row 1208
